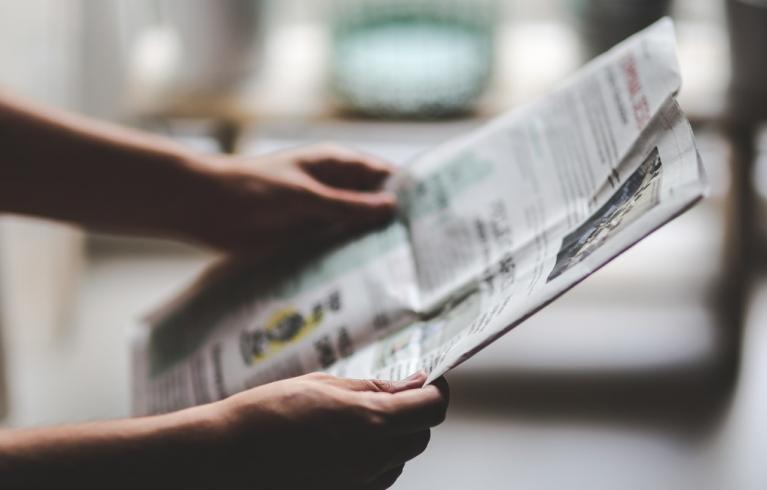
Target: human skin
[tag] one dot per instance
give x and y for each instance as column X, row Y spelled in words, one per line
column 64, row 167
column 313, row 431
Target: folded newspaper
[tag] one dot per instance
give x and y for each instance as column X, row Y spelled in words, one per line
column 492, row 227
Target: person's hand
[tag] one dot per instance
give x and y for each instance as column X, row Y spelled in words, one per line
column 318, row 431
column 65, row 167
column 290, row 201
column 315, row 431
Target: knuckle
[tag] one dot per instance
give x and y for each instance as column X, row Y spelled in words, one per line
column 424, row 439
column 301, row 190
column 392, row 476
column 329, row 148
column 415, row 445
column 440, row 415
column 365, row 471
column 318, row 376
column 376, row 420
column 438, row 412
column 380, row 385
column 357, row 470
column 377, row 414
column 444, row 388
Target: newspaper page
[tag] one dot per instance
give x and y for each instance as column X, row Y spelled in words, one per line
column 492, row 227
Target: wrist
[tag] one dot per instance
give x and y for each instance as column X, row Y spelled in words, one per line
column 207, row 423
column 191, row 196
column 192, row 444
column 218, row 191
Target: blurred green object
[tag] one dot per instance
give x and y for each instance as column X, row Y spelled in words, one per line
column 416, row 59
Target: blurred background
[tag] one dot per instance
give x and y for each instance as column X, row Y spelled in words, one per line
column 652, row 374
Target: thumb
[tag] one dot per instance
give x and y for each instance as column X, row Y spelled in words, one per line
column 343, row 168
column 413, row 381
column 355, row 206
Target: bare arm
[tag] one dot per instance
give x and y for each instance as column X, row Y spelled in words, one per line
column 315, row 431
column 60, row 166
column 118, row 454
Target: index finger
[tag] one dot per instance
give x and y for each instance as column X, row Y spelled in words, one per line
column 416, row 409
column 344, row 168
column 347, row 156
column 367, row 208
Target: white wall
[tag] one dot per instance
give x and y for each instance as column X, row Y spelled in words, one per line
column 39, row 262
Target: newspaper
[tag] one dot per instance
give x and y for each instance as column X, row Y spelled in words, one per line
column 491, row 227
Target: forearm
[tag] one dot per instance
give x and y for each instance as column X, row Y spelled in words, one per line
column 170, row 449
column 64, row 167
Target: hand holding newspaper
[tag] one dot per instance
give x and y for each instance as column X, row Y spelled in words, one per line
column 492, row 227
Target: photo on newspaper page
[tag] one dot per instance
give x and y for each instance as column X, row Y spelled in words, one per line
column 492, row 226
